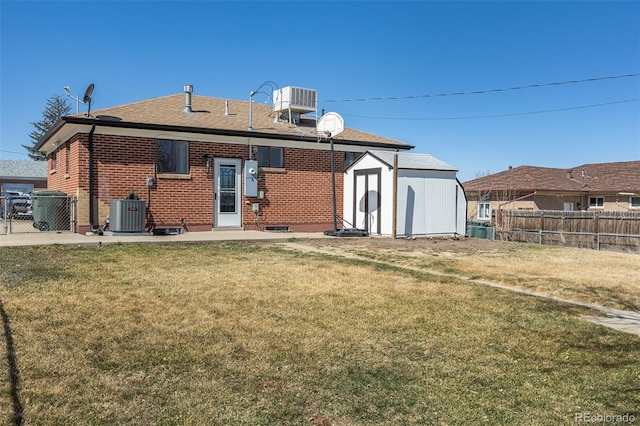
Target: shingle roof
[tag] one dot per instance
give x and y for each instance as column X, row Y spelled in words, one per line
column 412, row 161
column 209, row 113
column 23, row 169
column 593, row 178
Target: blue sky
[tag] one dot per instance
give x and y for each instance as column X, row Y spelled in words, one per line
column 133, row 51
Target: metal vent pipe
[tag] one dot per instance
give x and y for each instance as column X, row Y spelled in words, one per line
column 188, row 90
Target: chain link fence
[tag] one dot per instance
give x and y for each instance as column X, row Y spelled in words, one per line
column 43, row 211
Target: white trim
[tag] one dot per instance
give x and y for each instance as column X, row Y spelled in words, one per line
column 596, row 206
column 488, row 203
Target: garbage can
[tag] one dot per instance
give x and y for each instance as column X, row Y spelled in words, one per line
column 478, row 229
column 489, row 231
column 50, row 210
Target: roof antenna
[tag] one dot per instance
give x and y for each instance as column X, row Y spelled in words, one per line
column 87, row 98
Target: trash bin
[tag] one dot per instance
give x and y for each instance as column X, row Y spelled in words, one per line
column 481, row 230
column 489, row 231
column 478, row 229
column 50, row 210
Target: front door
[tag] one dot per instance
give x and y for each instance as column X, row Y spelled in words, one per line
column 228, row 210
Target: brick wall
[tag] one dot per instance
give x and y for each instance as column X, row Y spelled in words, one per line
column 298, row 196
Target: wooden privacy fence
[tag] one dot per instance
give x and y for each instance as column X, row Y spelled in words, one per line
column 602, row 230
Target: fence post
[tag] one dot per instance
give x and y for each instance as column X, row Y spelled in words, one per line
column 595, row 230
column 4, row 206
column 541, row 223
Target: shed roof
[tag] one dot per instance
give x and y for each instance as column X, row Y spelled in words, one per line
column 23, row 169
column 412, row 161
column 598, row 177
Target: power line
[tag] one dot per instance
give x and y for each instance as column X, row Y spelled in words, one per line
column 13, row 152
column 480, row 92
column 494, row 116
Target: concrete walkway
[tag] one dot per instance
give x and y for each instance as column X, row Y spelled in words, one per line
column 68, row 238
column 625, row 321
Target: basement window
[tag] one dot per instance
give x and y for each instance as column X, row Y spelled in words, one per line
column 270, row 156
column 596, row 202
column 173, row 157
column 278, row 228
column 484, row 210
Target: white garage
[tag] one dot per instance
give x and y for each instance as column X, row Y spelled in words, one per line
column 404, row 194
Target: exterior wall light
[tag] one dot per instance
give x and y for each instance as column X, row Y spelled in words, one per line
column 207, row 164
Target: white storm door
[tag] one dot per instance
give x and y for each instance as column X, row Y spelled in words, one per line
column 228, row 210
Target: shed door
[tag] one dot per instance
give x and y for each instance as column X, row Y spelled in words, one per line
column 367, row 188
column 228, row 211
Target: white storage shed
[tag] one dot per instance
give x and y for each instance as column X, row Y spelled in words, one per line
column 418, row 192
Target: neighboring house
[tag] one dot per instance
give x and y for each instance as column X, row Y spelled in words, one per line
column 201, row 163
column 22, row 175
column 601, row 186
column 419, row 191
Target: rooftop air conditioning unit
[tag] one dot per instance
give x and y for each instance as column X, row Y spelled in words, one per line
column 295, row 99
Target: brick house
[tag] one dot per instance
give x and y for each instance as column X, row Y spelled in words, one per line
column 201, row 163
column 594, row 187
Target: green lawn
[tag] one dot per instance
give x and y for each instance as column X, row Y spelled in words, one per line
column 253, row 334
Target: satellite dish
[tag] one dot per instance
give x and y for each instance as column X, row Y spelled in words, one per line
column 87, row 98
column 87, row 94
column 331, row 124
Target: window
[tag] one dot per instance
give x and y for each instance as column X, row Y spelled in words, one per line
column 634, row 202
column 173, row 157
column 270, row 156
column 350, row 158
column 596, row 202
column 484, row 210
column 54, row 160
column 67, row 154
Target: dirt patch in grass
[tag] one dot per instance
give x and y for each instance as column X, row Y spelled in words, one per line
column 605, row 278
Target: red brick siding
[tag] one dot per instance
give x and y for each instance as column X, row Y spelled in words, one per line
column 300, row 197
column 61, row 180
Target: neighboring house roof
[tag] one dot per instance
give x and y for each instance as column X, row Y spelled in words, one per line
column 592, row 178
column 23, row 170
column 210, row 116
column 412, row 161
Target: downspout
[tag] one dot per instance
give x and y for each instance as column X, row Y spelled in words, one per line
column 92, row 204
column 499, row 218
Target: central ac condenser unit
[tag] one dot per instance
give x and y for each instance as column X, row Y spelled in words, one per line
column 127, row 215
